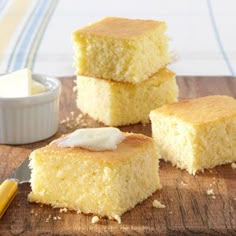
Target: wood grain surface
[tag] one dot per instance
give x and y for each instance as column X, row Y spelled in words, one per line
column 189, row 210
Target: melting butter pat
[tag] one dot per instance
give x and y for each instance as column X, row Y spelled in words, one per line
column 96, row 139
column 20, row 84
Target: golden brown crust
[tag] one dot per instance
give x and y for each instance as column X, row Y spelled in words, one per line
column 162, row 75
column 200, row 110
column 120, row 27
column 132, row 144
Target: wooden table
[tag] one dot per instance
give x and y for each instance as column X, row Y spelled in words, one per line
column 189, row 210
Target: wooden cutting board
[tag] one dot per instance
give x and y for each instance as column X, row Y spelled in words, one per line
column 189, row 210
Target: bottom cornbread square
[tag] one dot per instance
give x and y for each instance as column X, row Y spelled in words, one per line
column 105, row 183
column 116, row 103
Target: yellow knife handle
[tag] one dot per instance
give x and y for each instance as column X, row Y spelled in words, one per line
column 8, row 191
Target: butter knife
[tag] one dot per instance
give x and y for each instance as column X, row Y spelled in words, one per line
column 9, row 187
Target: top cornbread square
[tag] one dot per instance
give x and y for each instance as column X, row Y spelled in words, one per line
column 121, row 49
column 196, row 134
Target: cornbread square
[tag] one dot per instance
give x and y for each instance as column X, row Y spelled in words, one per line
column 106, row 183
column 115, row 103
column 196, row 134
column 121, row 49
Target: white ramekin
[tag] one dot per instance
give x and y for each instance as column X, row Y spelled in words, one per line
column 31, row 119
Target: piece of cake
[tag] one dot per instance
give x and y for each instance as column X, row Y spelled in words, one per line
column 121, row 49
column 116, row 103
column 105, row 183
column 196, row 134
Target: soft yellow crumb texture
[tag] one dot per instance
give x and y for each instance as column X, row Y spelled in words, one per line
column 121, row 49
column 116, row 104
column 196, row 134
column 104, row 183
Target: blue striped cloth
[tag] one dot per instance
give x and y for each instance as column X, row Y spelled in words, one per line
column 37, row 33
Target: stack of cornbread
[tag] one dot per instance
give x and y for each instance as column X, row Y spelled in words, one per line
column 120, row 67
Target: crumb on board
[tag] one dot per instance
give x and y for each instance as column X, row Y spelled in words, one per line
column 73, row 121
column 63, row 210
column 78, row 212
column 48, row 218
column 56, row 218
column 94, row 219
column 210, row 192
column 157, row 204
column 233, row 165
column 117, row 218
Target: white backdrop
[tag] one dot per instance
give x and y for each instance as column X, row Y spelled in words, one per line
column 202, row 33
